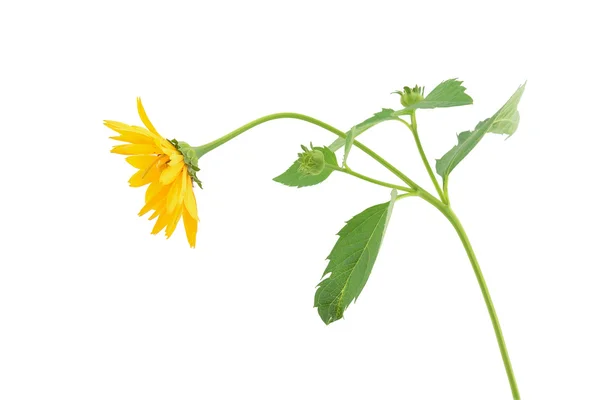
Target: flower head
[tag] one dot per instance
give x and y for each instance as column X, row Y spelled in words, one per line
column 168, row 166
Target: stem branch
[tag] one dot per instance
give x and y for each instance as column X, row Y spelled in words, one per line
column 372, row 180
column 413, row 129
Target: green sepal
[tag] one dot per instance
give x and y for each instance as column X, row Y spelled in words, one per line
column 190, row 158
column 351, row 260
column 410, row 97
column 312, row 161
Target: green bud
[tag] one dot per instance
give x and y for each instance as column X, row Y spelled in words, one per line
column 410, row 96
column 312, row 162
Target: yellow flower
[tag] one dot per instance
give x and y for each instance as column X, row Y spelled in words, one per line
column 169, row 172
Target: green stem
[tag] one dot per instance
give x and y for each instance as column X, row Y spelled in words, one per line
column 202, row 150
column 449, row 214
column 413, row 129
column 389, row 166
column 405, row 123
column 403, row 195
column 446, row 190
column 372, row 180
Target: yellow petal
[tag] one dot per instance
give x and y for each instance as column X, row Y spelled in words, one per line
column 144, row 117
column 141, row 162
column 124, row 129
column 152, row 190
column 134, row 138
column 154, row 215
column 191, row 228
column 117, row 126
column 171, row 172
column 161, row 222
column 189, row 199
column 151, row 204
column 159, row 209
column 167, row 147
column 174, row 198
column 175, row 158
column 174, row 219
column 144, row 177
column 134, row 149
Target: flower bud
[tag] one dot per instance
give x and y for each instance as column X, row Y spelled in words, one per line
column 410, row 96
column 312, row 162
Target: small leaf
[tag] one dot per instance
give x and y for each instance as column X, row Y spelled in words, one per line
column 349, row 140
column 293, row 176
column 351, row 260
column 505, row 121
column 449, row 93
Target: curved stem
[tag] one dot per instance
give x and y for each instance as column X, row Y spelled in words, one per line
column 372, row 180
column 413, row 129
column 405, row 123
column 449, row 214
column 202, row 150
column 403, row 195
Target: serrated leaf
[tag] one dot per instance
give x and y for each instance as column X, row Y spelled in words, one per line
column 504, row 121
column 293, row 177
column 449, row 93
column 351, row 260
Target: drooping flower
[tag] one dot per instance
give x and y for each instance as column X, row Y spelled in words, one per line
column 168, row 166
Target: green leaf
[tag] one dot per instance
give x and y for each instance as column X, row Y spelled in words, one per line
column 386, row 114
column 508, row 125
column 351, row 260
column 449, row 93
column 293, row 177
column 349, row 140
column 505, row 121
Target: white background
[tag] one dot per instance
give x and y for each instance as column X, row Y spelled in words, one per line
column 94, row 307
